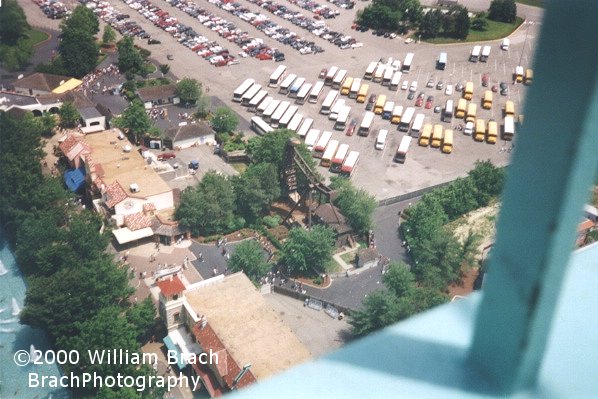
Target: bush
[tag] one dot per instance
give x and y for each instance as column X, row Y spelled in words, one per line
column 272, row 221
column 318, row 280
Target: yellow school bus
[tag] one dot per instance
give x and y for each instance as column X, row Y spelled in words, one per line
column 468, row 91
column 471, row 111
column 487, row 102
column 436, row 136
column 480, row 130
column 461, row 108
column 363, row 93
column 529, row 76
column 492, row 134
column 347, row 86
column 424, row 138
column 447, row 142
column 379, row 107
column 509, row 108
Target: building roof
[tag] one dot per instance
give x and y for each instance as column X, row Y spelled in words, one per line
column 366, row 255
column 8, row 100
column 585, row 225
column 156, row 92
column 248, row 327
column 89, row 112
column 125, row 167
column 78, row 99
column 333, row 218
column 137, row 221
column 125, row 235
column 171, row 286
column 115, row 194
column 189, row 131
column 42, row 82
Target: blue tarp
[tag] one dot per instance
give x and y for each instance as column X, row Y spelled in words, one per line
column 171, row 346
column 74, row 179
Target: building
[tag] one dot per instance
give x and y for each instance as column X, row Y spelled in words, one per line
column 188, row 135
column 158, row 95
column 125, row 188
column 45, row 83
column 227, row 316
column 329, row 215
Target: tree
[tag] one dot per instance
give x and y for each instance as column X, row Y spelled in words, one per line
column 130, row 59
column 78, row 48
column 249, row 257
column 358, row 206
column 189, row 91
column 142, row 316
column 69, row 116
column 503, row 11
column 109, row 36
column 255, row 190
column 462, row 23
column 430, row 24
column 13, row 23
column 47, row 123
column 488, row 180
column 203, row 107
column 164, row 68
column 381, row 309
column 134, row 119
column 224, row 120
column 399, row 280
column 308, row 252
column 479, row 24
column 208, row 208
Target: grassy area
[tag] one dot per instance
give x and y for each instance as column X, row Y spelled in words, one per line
column 349, row 257
column 495, row 30
column 535, row 3
column 151, row 68
column 36, row 36
column 333, row 267
column 239, row 166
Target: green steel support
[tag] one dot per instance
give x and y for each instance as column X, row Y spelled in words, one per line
column 554, row 164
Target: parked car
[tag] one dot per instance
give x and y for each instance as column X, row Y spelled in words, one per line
column 323, row 73
column 485, row 79
column 419, row 102
column 437, row 109
column 504, row 89
column 459, row 87
column 468, row 128
column 494, row 88
column 449, row 90
column 429, row 102
column 430, row 83
column 351, row 128
column 440, row 85
column 405, row 85
column 411, row 95
column 166, row 155
column 371, row 102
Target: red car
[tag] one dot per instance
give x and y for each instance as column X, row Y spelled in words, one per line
column 419, row 102
column 351, row 128
column 429, row 102
column 166, row 155
column 263, row 57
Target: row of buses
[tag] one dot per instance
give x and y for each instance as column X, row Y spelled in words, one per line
column 331, row 153
column 436, row 137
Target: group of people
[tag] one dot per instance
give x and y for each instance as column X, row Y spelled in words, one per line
column 154, row 113
column 91, row 81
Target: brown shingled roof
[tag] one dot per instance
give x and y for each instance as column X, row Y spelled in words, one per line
column 137, row 221
column 114, row 194
column 156, row 92
column 189, row 131
column 41, row 81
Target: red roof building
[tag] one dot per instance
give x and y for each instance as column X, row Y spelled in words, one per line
column 171, row 286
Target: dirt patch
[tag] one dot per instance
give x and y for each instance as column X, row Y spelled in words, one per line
column 481, row 221
column 465, row 285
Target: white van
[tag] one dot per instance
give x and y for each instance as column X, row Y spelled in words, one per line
column 381, row 139
column 505, row 44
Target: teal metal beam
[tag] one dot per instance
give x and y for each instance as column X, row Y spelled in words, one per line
column 554, row 164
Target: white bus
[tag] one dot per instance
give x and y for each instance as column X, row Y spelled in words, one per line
column 366, row 124
column 485, row 54
column 447, row 113
column 369, row 71
column 259, row 126
column 401, row 154
column 339, row 158
column 316, row 92
column 442, row 61
column 336, row 108
column 295, row 87
column 286, row 83
column 329, row 153
column 406, row 67
column 257, row 100
column 288, row 115
column 343, row 117
column 330, row 75
column 329, row 102
column 405, row 122
column 381, row 139
column 322, row 143
column 350, row 164
column 264, row 105
column 395, row 82
column 311, row 138
column 303, row 94
column 475, row 53
column 270, row 110
column 509, row 128
column 387, row 110
column 355, row 88
column 277, row 76
column 305, row 127
column 278, row 114
column 505, row 44
column 387, row 78
column 249, row 94
column 295, row 122
column 239, row 91
column 339, row 79
column 418, row 122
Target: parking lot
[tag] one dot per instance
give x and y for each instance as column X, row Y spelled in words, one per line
column 376, row 172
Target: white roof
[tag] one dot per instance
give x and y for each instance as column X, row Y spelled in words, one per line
column 125, row 235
